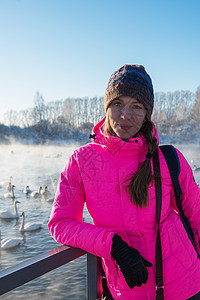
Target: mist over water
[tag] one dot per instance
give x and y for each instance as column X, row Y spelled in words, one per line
column 36, row 166
column 192, row 154
column 41, row 166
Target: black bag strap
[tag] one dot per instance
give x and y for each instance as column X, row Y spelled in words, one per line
column 158, row 190
column 173, row 163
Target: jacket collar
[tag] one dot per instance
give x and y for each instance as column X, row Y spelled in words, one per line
column 113, row 143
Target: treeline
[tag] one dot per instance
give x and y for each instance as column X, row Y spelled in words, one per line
column 177, row 116
column 68, row 118
column 73, row 112
column 177, row 106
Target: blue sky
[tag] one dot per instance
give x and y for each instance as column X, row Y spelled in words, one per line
column 67, row 48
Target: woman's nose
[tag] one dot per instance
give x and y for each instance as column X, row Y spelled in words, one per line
column 125, row 113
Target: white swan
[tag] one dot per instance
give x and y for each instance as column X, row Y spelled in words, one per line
column 9, row 243
column 45, row 192
column 196, row 169
column 51, row 199
column 2, row 184
column 54, row 182
column 37, row 194
column 31, row 226
column 9, row 186
column 27, row 190
column 7, row 214
column 10, row 195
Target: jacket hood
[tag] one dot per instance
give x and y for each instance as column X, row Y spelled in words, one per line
column 98, row 136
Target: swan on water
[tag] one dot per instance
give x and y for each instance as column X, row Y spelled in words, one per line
column 37, row 194
column 3, row 184
column 9, row 186
column 46, row 192
column 7, row 214
column 9, row 243
column 10, row 195
column 196, row 169
column 30, row 226
column 27, row 190
column 51, row 199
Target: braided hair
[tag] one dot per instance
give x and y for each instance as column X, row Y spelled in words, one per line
column 138, row 186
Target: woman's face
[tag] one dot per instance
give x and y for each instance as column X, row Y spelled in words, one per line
column 126, row 116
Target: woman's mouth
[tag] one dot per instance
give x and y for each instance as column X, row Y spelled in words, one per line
column 125, row 127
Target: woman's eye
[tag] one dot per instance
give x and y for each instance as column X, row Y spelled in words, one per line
column 136, row 107
column 117, row 104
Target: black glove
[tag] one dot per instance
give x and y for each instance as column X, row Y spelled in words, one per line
column 130, row 262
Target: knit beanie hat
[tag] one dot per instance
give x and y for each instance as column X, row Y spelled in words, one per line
column 133, row 81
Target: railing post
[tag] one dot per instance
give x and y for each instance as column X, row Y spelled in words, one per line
column 94, row 277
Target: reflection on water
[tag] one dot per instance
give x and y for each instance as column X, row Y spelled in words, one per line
column 40, row 166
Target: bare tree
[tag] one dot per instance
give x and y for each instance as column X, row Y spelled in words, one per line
column 39, row 108
column 196, row 107
column 10, row 118
column 68, row 111
column 182, row 113
column 26, row 118
column 54, row 110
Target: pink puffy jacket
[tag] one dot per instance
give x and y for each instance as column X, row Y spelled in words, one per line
column 98, row 174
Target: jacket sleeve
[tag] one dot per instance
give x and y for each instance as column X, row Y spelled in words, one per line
column 191, row 197
column 66, row 220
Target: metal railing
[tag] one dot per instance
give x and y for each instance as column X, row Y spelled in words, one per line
column 29, row 269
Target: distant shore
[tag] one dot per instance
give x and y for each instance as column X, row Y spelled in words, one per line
column 168, row 133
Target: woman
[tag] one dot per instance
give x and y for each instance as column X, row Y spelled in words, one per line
column 114, row 176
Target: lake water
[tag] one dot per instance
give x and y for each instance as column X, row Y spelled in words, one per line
column 40, row 166
column 37, row 166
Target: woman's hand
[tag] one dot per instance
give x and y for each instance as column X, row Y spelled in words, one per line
column 130, row 262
